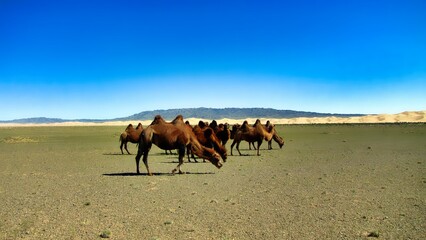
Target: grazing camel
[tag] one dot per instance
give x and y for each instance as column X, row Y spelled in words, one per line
column 271, row 128
column 130, row 134
column 251, row 134
column 170, row 136
column 207, row 137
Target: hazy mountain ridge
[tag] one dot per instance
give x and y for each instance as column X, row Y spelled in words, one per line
column 234, row 113
column 205, row 113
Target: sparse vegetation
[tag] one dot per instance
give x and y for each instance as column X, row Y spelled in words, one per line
column 105, row 234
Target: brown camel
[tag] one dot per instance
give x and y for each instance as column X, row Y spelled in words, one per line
column 207, row 137
column 251, row 134
column 222, row 131
column 236, row 127
column 169, row 136
column 130, row 134
column 271, row 128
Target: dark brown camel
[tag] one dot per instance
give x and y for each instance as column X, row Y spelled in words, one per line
column 222, row 131
column 168, row 136
column 251, row 134
column 130, row 134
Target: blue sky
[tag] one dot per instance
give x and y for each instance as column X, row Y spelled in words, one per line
column 108, row 59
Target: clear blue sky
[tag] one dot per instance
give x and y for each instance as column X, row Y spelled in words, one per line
column 106, row 59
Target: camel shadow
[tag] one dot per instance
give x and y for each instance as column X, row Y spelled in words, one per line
column 133, row 174
column 243, row 155
column 115, row 154
column 186, row 162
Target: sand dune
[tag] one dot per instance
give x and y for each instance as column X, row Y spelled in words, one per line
column 409, row 117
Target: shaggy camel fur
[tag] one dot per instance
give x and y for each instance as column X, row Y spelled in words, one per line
column 251, row 134
column 169, row 136
column 130, row 134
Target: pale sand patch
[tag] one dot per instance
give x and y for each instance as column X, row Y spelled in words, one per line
column 409, row 117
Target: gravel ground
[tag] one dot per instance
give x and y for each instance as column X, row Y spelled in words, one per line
column 328, row 182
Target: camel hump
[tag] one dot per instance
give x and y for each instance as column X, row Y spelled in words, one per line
column 208, row 132
column 213, row 124
column 201, row 124
column 129, row 126
column 158, row 119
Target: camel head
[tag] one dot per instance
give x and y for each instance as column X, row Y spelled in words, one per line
column 209, row 134
column 280, row 142
column 212, row 156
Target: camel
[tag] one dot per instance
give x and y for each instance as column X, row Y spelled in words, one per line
column 222, row 131
column 236, row 127
column 251, row 134
column 271, row 128
column 207, row 137
column 172, row 136
column 130, row 134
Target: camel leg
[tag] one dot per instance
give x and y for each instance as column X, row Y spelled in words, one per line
column 143, row 150
column 238, row 147
column 270, row 144
column 125, row 147
column 121, row 147
column 189, row 152
column 193, row 156
column 145, row 161
column 181, row 155
column 138, row 158
column 232, row 145
column 258, row 147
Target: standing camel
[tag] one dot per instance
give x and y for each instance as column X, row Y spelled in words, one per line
column 130, row 134
column 251, row 134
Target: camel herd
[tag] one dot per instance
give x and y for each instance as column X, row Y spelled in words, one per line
column 206, row 141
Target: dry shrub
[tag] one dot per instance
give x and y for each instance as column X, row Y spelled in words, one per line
column 19, row 140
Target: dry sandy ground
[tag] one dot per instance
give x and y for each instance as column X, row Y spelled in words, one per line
column 409, row 117
column 328, row 182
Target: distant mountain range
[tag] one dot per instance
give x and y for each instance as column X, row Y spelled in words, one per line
column 205, row 113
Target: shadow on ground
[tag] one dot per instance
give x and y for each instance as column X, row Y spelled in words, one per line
column 132, row 174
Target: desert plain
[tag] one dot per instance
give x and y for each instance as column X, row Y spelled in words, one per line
column 329, row 181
